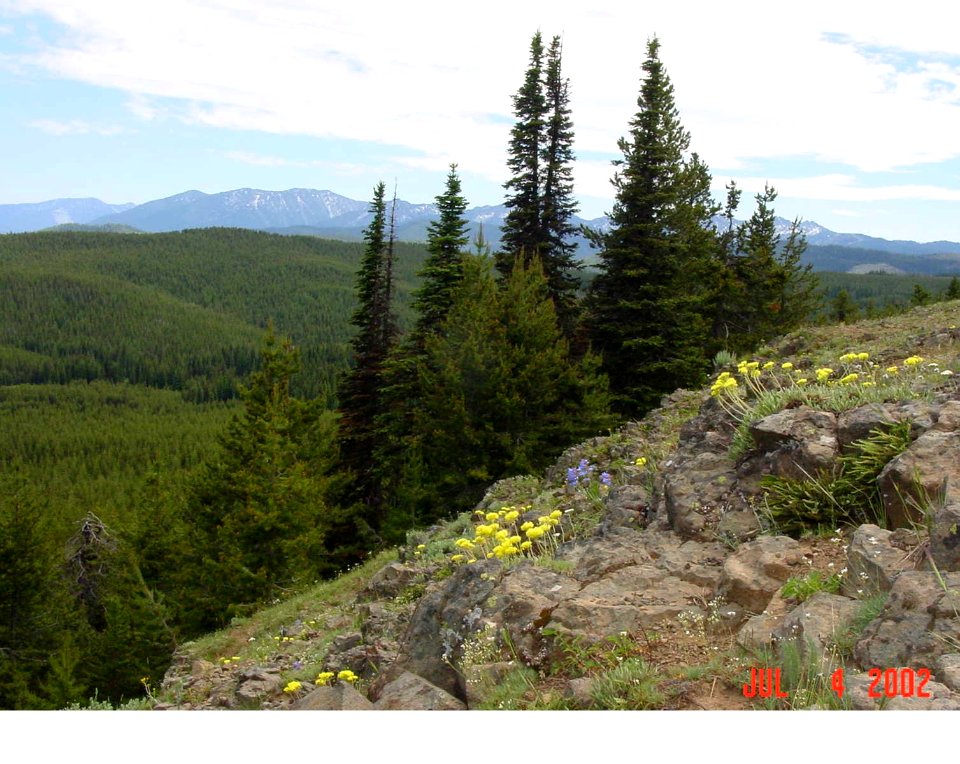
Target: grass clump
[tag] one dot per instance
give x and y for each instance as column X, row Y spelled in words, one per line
column 802, row 588
column 804, row 677
column 633, row 685
column 846, row 639
column 850, row 495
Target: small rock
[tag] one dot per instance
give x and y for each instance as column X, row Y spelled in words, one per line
column 945, row 537
column 410, row 692
column 757, row 570
column 389, row 581
column 256, row 682
column 916, row 625
column 873, row 562
column 947, row 669
column 579, row 691
column 814, row 624
column 798, row 443
column 338, row 697
column 923, row 478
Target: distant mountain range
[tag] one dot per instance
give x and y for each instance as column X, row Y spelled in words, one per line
column 301, row 211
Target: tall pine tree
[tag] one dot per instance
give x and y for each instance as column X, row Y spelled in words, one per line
column 559, row 206
column 649, row 305
column 398, row 453
column 360, row 390
column 540, row 200
column 523, row 232
column 442, row 272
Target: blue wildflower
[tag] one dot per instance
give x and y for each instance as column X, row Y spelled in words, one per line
column 605, row 479
column 572, row 477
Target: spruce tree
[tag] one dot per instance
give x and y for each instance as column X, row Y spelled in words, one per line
column 953, row 290
column 650, row 303
column 35, row 614
column 258, row 508
column 844, row 309
column 919, row 296
column 397, row 457
column 501, row 392
column 540, row 192
column 523, row 231
column 764, row 290
column 360, row 390
column 447, row 240
column 559, row 206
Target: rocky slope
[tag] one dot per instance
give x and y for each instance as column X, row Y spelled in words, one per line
column 652, row 568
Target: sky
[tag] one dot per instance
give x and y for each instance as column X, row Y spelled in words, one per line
column 850, row 110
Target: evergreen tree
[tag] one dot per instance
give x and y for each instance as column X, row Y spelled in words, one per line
column 397, row 456
column 35, row 616
column 130, row 637
column 843, row 309
column 559, row 206
column 540, row 192
column 522, row 231
column 360, row 390
column 649, row 304
column 442, row 272
column 953, row 291
column 258, row 508
column 920, row 296
column 501, row 393
column 764, row 290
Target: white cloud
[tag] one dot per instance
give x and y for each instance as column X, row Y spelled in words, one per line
column 753, row 80
column 74, row 127
column 845, row 188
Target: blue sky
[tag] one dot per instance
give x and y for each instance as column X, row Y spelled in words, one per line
column 851, row 110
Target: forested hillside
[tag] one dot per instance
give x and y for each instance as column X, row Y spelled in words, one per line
column 183, row 311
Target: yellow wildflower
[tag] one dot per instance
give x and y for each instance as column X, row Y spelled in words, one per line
column 641, row 461
column 492, row 517
column 786, row 366
column 526, row 526
column 323, row 678
column 823, row 373
column 849, row 378
column 768, row 365
column 511, row 516
column 292, row 686
column 893, row 369
column 347, row 676
column 914, row 360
